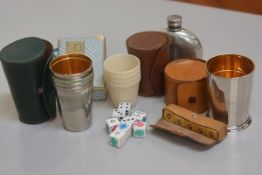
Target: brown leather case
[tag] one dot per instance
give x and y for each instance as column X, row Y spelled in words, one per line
column 152, row 48
column 185, row 123
column 186, row 85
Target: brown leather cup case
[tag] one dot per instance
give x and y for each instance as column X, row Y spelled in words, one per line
column 152, row 48
column 185, row 84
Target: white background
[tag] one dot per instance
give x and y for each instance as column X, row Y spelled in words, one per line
column 49, row 149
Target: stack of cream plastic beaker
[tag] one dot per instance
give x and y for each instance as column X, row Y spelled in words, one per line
column 122, row 74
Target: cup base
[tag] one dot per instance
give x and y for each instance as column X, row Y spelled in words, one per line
column 240, row 127
column 81, row 129
column 36, row 121
column 79, row 126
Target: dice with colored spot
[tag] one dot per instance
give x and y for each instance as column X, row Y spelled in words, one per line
column 120, row 135
column 111, row 124
column 141, row 116
column 139, row 129
column 117, row 139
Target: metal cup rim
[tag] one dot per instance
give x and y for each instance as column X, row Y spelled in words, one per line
column 70, row 76
column 230, row 54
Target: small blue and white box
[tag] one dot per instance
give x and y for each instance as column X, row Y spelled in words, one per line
column 95, row 48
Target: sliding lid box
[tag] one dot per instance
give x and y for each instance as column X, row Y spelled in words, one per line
column 95, row 48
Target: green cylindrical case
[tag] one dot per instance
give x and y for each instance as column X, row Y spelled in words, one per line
column 25, row 63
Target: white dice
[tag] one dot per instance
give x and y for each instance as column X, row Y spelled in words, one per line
column 120, row 135
column 117, row 139
column 111, row 124
column 141, row 116
column 119, row 113
column 122, row 125
column 129, row 120
column 126, row 106
column 139, row 129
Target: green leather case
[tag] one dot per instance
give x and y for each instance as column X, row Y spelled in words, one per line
column 25, row 63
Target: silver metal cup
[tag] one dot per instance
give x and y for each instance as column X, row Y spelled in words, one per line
column 72, row 76
column 230, row 79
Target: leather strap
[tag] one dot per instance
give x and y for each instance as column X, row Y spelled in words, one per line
column 48, row 90
column 157, row 71
column 193, row 96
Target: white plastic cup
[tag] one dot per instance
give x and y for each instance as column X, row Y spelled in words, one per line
column 121, row 65
column 122, row 77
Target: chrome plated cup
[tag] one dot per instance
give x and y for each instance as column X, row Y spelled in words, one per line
column 72, row 76
column 230, row 79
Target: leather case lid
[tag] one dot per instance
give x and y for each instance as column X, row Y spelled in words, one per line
column 24, row 50
column 147, row 41
column 187, row 69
